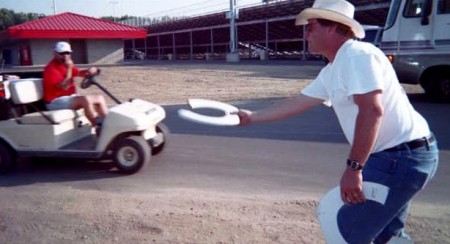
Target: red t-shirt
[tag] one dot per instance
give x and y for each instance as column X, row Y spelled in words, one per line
column 54, row 73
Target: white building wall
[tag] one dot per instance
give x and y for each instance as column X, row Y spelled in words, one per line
column 106, row 51
column 42, row 51
column 98, row 51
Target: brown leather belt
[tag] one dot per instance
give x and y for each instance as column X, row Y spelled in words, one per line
column 425, row 141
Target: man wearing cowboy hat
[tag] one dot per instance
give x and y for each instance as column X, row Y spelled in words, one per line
column 391, row 144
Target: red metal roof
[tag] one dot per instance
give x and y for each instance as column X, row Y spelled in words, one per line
column 70, row 25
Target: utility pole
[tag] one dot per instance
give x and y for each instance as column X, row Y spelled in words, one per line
column 233, row 56
column 233, row 26
column 54, row 7
column 114, row 9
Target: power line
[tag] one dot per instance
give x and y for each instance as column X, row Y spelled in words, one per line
column 194, row 9
column 212, row 5
column 178, row 9
column 199, row 10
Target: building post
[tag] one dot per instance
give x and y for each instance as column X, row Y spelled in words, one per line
column 233, row 55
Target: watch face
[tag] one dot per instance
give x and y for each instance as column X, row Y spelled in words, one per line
column 353, row 164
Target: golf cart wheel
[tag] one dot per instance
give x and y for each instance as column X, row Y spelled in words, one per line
column 160, row 142
column 131, row 154
column 7, row 159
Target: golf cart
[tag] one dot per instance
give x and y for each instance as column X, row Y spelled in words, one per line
column 130, row 133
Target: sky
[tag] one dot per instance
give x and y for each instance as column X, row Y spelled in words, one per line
column 118, row 8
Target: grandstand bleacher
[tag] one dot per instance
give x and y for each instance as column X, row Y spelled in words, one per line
column 266, row 29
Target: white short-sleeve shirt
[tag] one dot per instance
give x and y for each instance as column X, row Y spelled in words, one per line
column 359, row 68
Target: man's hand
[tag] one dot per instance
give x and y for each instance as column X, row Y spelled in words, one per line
column 68, row 62
column 244, row 117
column 351, row 187
column 92, row 71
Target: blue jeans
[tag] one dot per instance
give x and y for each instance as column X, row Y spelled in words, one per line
column 405, row 172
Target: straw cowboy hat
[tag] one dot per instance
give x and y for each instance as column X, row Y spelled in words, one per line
column 339, row 11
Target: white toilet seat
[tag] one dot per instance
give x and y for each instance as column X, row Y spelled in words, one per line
column 331, row 203
column 227, row 119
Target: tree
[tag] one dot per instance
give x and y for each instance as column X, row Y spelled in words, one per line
column 10, row 18
column 6, row 18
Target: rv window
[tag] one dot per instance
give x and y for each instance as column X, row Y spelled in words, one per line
column 414, row 8
column 373, row 35
column 393, row 10
column 443, row 7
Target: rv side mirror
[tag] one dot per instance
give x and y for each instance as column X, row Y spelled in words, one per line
column 427, row 7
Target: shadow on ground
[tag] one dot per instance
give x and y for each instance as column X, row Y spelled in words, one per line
column 318, row 125
column 31, row 171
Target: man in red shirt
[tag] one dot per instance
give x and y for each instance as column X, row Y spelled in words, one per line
column 59, row 86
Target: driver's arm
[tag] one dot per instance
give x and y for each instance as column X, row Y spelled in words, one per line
column 71, row 71
column 88, row 72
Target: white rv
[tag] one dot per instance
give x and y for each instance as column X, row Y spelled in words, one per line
column 416, row 38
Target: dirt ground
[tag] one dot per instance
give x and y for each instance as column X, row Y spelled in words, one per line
column 175, row 83
column 68, row 214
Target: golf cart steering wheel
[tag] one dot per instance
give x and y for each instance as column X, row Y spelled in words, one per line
column 89, row 80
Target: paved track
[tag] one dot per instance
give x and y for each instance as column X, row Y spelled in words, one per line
column 303, row 156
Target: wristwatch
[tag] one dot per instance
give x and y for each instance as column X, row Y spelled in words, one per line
column 354, row 165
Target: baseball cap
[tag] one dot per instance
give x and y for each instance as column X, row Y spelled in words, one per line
column 61, row 47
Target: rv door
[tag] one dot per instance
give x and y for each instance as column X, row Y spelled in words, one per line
column 415, row 13
column 441, row 24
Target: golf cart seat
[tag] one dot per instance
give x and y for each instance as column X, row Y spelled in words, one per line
column 30, row 91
